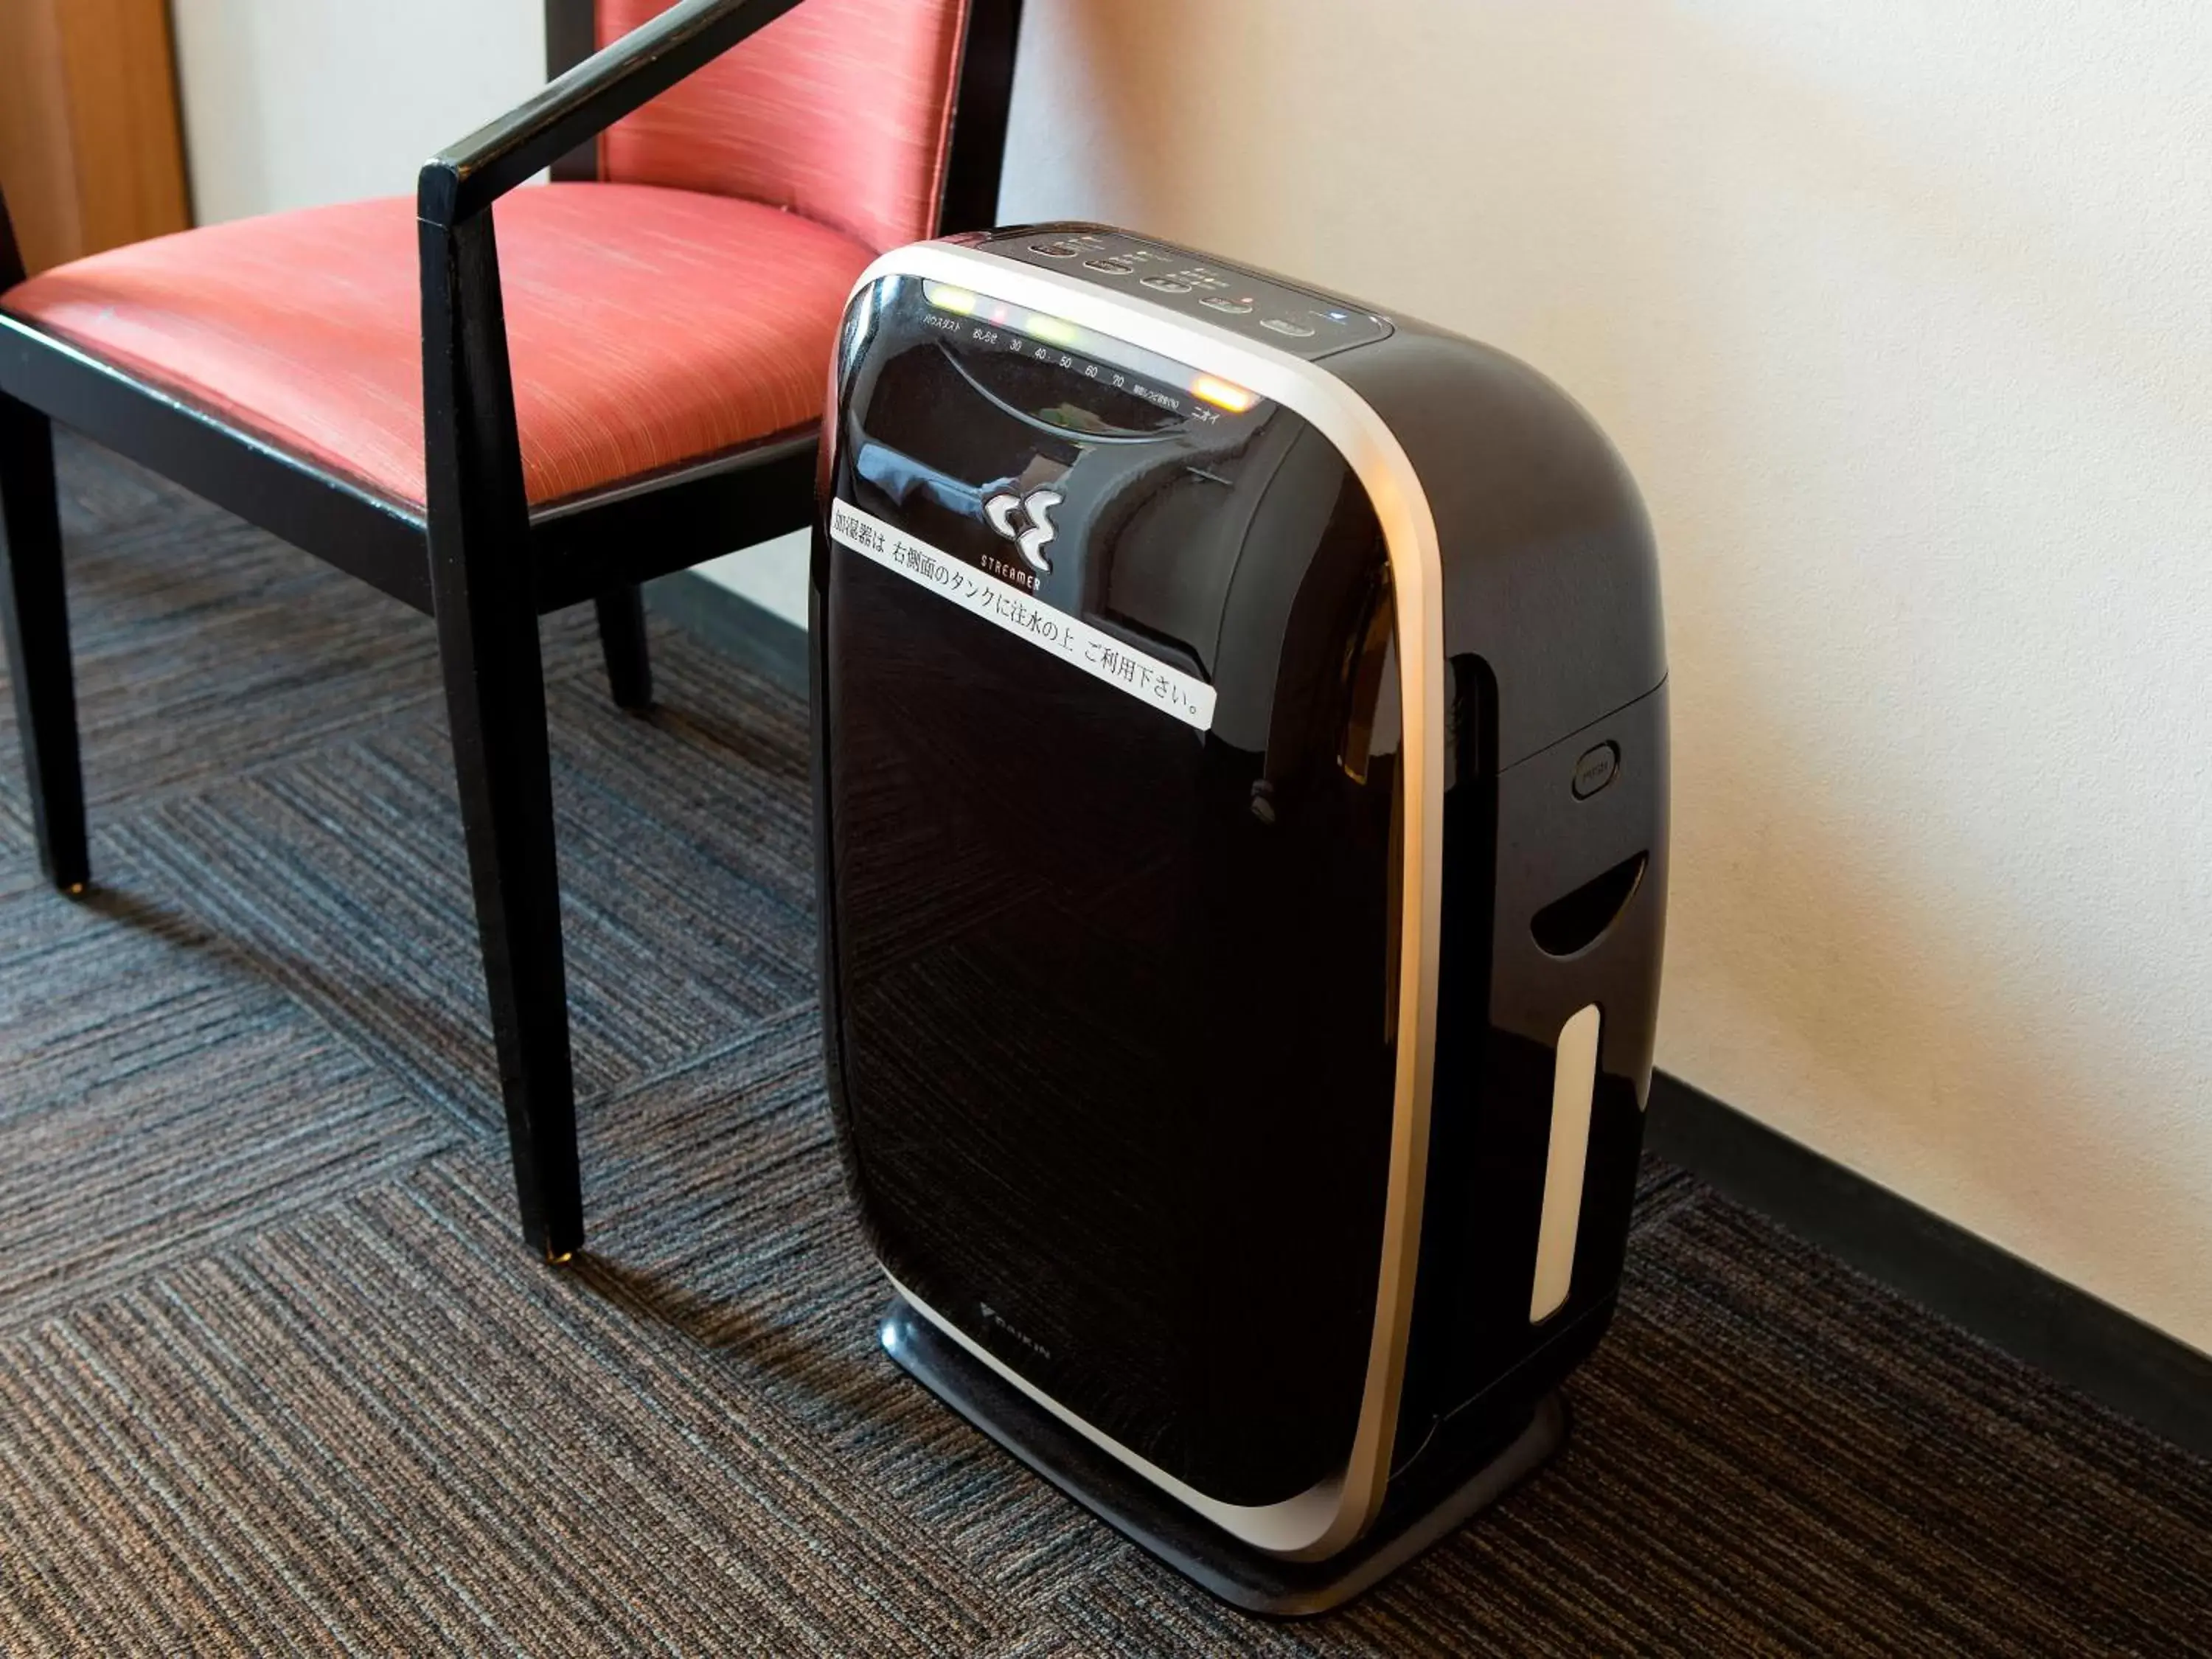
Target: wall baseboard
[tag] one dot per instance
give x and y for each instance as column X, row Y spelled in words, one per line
column 2111, row 1356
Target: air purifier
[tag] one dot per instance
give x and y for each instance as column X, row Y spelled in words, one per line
column 1240, row 783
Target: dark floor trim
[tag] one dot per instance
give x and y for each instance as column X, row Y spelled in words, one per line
column 2111, row 1356
column 734, row 625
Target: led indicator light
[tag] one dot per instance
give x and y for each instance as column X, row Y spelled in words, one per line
column 1041, row 327
column 945, row 297
column 1222, row 395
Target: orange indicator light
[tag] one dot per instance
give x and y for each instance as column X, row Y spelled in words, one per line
column 1222, row 395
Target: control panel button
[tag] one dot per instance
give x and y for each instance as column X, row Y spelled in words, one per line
column 1304, row 323
column 1595, row 770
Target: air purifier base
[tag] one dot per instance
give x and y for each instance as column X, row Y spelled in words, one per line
column 1445, row 1487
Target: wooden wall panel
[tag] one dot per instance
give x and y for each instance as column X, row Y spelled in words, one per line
column 91, row 154
column 37, row 159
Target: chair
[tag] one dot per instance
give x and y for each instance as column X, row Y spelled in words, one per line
column 613, row 376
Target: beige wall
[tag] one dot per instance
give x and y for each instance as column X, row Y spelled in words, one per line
column 1902, row 315
column 290, row 103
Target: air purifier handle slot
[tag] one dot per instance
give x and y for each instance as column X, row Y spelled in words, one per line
column 1577, row 919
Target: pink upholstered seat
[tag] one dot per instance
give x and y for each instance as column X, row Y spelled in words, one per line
column 647, row 327
column 688, row 306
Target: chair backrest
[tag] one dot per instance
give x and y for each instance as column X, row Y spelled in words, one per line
column 840, row 110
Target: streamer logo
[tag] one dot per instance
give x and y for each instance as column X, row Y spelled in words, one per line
column 1026, row 522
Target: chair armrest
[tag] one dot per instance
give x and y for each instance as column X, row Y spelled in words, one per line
column 460, row 182
column 481, row 574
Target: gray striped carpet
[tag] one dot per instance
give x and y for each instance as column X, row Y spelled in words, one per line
column 275, row 1374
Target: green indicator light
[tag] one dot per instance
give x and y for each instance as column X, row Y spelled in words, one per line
column 1041, row 327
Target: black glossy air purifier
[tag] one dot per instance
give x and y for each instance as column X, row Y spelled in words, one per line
column 1241, row 776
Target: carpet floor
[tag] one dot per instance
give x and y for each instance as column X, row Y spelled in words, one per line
column 277, row 1374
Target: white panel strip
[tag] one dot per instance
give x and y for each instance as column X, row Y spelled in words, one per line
column 1574, row 1080
column 1075, row 643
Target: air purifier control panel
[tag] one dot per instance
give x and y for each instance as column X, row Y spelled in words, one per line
column 1292, row 319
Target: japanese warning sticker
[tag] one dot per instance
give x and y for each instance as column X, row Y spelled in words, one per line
column 1097, row 654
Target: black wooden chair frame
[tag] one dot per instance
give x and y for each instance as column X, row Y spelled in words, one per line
column 478, row 558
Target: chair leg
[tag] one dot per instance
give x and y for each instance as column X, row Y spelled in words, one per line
column 496, row 696
column 36, row 615
column 621, row 638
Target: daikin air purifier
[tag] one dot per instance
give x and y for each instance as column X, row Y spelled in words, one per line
column 1241, row 775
